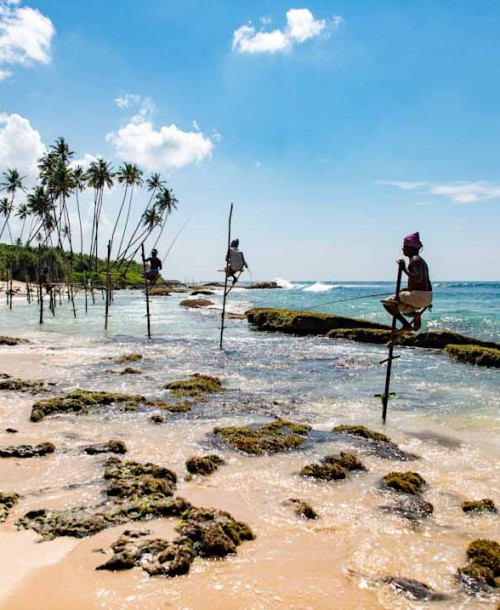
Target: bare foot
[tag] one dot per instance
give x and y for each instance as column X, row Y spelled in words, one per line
column 417, row 321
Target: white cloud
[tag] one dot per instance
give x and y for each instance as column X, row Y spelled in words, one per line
column 20, row 145
column 456, row 192
column 25, row 36
column 168, row 147
column 85, row 161
column 301, row 26
column 126, row 100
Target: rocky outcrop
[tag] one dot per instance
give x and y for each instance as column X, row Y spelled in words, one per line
column 27, row 451
column 264, row 286
column 21, row 385
column 12, row 340
column 127, row 358
column 475, row 354
column 274, row 437
column 196, row 385
column 204, row 465
column 482, row 572
column 303, row 322
column 196, row 303
column 409, row 507
column 479, row 506
column 404, row 482
column 374, row 442
column 7, row 501
column 112, row 446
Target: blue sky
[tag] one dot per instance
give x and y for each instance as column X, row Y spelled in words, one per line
column 335, row 127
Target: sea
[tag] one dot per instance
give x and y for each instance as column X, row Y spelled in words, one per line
column 446, row 413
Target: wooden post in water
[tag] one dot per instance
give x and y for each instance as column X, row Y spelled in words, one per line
column 385, row 396
column 11, row 289
column 85, row 288
column 40, row 282
column 146, row 289
column 223, row 315
column 106, row 314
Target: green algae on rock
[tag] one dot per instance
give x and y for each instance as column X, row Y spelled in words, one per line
column 474, row 354
column 409, row 507
column 9, row 383
column 303, row 322
column 112, row 446
column 479, row 506
column 361, row 431
column 346, row 459
column 325, row 472
column 27, row 451
column 133, row 481
column 404, row 482
column 80, row 401
column 280, row 435
column 482, row 573
column 7, row 501
column 12, row 340
column 204, row 465
column 196, row 303
column 160, row 291
column 303, row 509
column 196, row 385
column 127, row 358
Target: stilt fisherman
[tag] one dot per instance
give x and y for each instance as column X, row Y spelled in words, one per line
column 235, row 261
column 417, row 297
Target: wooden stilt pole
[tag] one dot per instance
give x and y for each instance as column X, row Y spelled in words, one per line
column 28, row 288
column 11, row 289
column 385, row 396
column 40, row 283
column 146, row 289
column 85, row 288
column 106, row 315
column 226, row 291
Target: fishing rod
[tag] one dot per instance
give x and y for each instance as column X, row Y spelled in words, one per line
column 174, row 240
column 363, row 296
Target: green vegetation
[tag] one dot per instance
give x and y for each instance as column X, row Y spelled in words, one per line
column 303, row 509
column 196, row 303
column 196, row 386
column 474, row 354
column 274, row 437
column 405, row 482
column 483, row 566
column 21, row 385
column 7, row 501
column 126, row 358
column 361, row 431
column 479, row 506
column 325, row 472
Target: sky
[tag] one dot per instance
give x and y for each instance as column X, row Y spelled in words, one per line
column 334, row 127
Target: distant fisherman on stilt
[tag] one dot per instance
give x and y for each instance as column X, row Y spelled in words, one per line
column 417, row 297
column 235, row 261
column 155, row 266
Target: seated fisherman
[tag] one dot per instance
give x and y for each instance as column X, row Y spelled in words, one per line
column 154, row 267
column 418, row 294
column 235, row 261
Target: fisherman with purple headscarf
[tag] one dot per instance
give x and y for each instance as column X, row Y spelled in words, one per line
column 418, row 294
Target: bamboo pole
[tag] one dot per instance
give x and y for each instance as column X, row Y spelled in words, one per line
column 85, row 288
column 391, row 357
column 11, row 289
column 226, row 292
column 28, row 288
column 106, row 315
column 146, row 288
column 40, row 283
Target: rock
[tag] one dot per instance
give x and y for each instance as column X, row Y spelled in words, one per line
column 80, row 401
column 264, row 286
column 414, row 589
column 131, row 480
column 375, row 442
column 404, row 482
column 125, row 359
column 410, row 507
column 479, row 506
column 204, row 465
column 75, row 522
column 303, row 509
column 303, row 322
column 346, row 459
column 111, row 446
column 202, row 292
column 11, row 430
column 12, row 340
column 277, row 436
column 482, row 572
column 22, row 385
column 325, row 472
column 197, row 385
column 183, row 406
column 157, row 419
column 7, row 501
column 474, row 354
column 361, row 335
column 161, row 291
column 130, row 371
column 27, row 451
column 196, row 303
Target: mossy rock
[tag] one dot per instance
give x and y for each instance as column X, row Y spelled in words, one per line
column 204, row 465
column 7, row 501
column 12, row 340
column 479, row 506
column 303, row 509
column 474, row 354
column 346, row 459
column 80, row 401
column 160, row 291
column 203, row 292
column 196, row 303
column 27, row 451
column 277, row 436
column 361, row 431
column 196, row 385
column 325, row 472
column 409, row 507
column 127, row 358
column 405, row 482
column 485, row 553
column 112, row 446
column 183, row 406
column 303, row 322
column 134, row 481
column 474, row 576
column 157, row 419
column 21, row 385
column 361, row 335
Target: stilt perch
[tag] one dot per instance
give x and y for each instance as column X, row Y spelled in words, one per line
column 223, row 315
column 146, row 290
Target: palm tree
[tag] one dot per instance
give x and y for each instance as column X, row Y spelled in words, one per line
column 6, row 208
column 79, row 185
column 22, row 213
column 12, row 182
column 130, row 175
column 99, row 176
column 41, row 208
column 166, row 202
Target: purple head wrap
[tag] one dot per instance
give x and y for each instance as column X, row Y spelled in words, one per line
column 413, row 241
